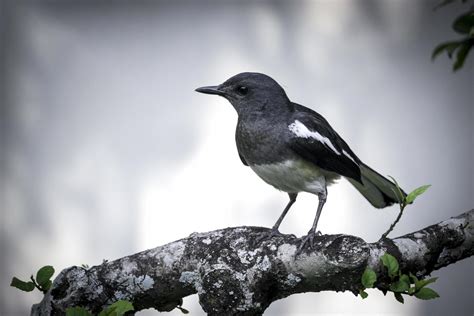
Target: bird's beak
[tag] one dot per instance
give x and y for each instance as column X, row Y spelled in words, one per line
column 211, row 90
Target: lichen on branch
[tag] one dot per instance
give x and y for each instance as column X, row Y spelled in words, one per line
column 233, row 274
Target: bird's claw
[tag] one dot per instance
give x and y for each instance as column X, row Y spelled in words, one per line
column 274, row 232
column 308, row 239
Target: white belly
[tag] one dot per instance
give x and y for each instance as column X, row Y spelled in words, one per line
column 295, row 176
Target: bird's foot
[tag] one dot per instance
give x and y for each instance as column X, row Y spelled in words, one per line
column 274, row 232
column 308, row 239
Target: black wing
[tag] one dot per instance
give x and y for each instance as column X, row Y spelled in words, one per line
column 330, row 152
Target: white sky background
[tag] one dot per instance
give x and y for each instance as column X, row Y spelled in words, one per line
column 109, row 151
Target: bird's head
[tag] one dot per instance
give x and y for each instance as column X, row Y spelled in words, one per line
column 250, row 92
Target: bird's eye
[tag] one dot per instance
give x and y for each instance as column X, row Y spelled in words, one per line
column 242, row 90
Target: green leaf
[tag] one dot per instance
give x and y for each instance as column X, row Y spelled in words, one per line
column 44, row 275
column 47, row 285
column 464, row 23
column 405, row 278
column 77, row 311
column 400, row 286
column 104, row 312
column 363, row 294
column 368, row 278
column 426, row 294
column 107, row 311
column 417, row 192
column 449, row 47
column 118, row 308
column 422, row 283
column 413, row 278
column 399, row 297
column 391, row 263
column 22, row 285
column 411, row 290
column 121, row 307
column 462, row 54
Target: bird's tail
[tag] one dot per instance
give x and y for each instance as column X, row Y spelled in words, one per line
column 377, row 189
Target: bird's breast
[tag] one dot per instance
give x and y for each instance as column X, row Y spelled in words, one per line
column 295, row 175
column 261, row 142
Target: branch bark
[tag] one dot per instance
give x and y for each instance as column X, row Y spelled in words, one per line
column 234, row 275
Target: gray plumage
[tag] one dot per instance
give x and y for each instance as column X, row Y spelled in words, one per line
column 293, row 148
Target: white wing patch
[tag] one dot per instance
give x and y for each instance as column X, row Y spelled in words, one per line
column 348, row 156
column 300, row 130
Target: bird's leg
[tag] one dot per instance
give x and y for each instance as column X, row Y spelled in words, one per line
column 312, row 232
column 283, row 214
column 274, row 231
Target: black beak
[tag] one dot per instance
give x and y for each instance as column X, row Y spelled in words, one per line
column 210, row 90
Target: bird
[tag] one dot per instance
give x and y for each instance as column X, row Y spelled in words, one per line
column 294, row 149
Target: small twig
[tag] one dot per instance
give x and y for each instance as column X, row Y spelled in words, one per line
column 402, row 208
column 402, row 202
column 39, row 287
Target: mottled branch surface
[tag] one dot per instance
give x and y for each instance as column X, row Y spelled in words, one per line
column 232, row 274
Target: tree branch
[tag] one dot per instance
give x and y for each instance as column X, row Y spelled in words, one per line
column 233, row 275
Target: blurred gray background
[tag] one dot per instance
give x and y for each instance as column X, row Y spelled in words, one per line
column 106, row 150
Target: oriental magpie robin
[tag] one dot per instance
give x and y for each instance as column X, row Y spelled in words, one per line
column 293, row 148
